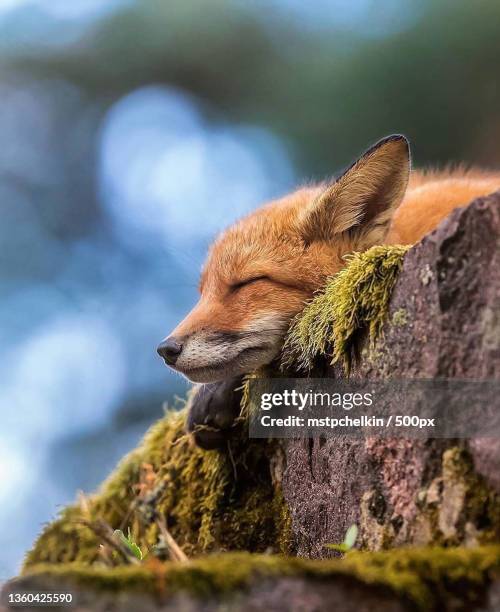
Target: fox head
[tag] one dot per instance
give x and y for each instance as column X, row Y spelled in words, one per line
column 260, row 272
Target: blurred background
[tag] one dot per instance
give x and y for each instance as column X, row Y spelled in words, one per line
column 131, row 132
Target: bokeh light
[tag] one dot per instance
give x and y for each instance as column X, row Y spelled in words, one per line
column 168, row 172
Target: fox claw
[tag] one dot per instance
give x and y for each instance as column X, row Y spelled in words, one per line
column 213, row 412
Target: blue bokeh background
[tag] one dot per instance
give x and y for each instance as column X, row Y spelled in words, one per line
column 130, row 134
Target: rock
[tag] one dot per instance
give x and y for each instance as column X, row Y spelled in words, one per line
column 393, row 581
column 443, row 322
column 298, row 495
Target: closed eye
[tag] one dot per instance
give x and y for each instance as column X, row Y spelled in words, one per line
column 248, row 281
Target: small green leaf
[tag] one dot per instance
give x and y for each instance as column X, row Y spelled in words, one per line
column 118, row 533
column 129, row 543
column 351, row 537
column 349, row 540
column 135, row 550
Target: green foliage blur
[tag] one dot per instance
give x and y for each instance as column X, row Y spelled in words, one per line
column 327, row 91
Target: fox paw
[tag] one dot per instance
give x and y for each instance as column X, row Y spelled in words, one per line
column 213, row 412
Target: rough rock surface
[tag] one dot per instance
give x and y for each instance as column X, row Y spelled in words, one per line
column 283, row 594
column 418, row 579
column 444, row 322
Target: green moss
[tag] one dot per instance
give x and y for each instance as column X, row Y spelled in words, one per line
column 427, row 577
column 209, row 500
column 430, row 576
column 207, row 506
column 353, row 301
column 215, row 502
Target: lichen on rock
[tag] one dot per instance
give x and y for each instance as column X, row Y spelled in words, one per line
column 455, row 507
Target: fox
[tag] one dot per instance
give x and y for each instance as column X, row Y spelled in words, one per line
column 261, row 271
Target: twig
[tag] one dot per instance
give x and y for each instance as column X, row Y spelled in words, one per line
column 233, row 462
column 176, row 552
column 106, row 533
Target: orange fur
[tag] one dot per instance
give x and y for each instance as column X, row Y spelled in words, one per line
column 289, row 247
column 431, row 196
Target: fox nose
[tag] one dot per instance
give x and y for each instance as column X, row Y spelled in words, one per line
column 170, row 349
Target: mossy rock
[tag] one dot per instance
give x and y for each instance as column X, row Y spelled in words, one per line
column 421, row 579
column 353, row 303
column 211, row 501
column 215, row 501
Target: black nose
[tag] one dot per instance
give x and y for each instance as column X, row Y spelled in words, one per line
column 170, row 349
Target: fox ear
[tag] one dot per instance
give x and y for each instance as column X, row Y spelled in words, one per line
column 364, row 198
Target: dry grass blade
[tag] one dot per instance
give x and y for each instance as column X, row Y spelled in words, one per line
column 175, row 551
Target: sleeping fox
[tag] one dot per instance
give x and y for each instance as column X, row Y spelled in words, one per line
column 261, row 271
